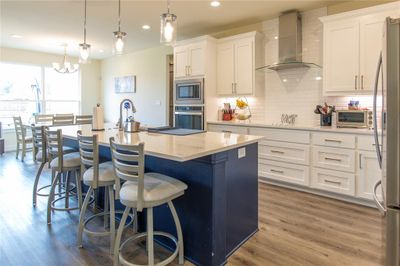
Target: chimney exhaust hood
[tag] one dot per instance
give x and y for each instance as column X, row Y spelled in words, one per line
column 289, row 44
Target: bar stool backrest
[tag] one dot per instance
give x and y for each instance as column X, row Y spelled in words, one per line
column 83, row 119
column 89, row 151
column 44, row 118
column 54, row 145
column 39, row 140
column 19, row 128
column 128, row 161
column 63, row 119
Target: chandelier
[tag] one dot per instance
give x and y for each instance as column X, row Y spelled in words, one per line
column 65, row 67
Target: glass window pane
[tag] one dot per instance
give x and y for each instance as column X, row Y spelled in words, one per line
column 61, row 86
column 20, row 82
column 54, row 107
column 8, row 109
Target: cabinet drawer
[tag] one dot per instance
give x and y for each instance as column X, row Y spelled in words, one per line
column 333, row 158
column 295, row 136
column 334, row 140
column 334, row 181
column 286, row 152
column 229, row 129
column 366, row 143
column 292, row 173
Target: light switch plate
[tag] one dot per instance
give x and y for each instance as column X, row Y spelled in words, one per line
column 241, row 152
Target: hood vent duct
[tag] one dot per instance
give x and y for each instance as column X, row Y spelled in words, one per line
column 290, row 43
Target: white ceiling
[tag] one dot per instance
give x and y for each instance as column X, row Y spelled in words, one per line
column 45, row 25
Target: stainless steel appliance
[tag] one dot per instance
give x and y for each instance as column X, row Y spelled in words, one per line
column 354, row 118
column 190, row 91
column 189, row 116
column 388, row 143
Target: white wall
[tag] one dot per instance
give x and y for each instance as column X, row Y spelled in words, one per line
column 150, row 68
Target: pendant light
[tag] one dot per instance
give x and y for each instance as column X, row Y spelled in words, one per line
column 119, row 35
column 168, row 27
column 65, row 67
column 84, row 48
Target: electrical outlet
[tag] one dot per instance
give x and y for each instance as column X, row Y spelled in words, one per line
column 241, row 152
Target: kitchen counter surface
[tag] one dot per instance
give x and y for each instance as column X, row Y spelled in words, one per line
column 177, row 148
column 360, row 131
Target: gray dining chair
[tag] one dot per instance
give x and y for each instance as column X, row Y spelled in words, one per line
column 63, row 119
column 83, row 119
column 144, row 191
column 22, row 139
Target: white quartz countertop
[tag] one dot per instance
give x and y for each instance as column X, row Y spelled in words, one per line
column 250, row 123
column 177, row 148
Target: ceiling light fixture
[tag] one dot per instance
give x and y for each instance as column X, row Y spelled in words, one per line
column 146, row 27
column 215, row 3
column 119, row 35
column 84, row 48
column 168, row 27
column 16, row 36
column 65, row 67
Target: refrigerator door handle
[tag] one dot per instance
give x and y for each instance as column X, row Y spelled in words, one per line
column 377, row 147
column 380, row 206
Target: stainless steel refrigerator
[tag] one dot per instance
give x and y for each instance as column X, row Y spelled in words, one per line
column 387, row 138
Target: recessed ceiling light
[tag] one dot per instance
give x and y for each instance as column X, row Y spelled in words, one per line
column 276, row 37
column 16, row 36
column 146, row 27
column 101, row 51
column 215, row 3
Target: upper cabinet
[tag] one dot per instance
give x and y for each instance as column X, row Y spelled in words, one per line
column 190, row 58
column 352, row 43
column 237, row 58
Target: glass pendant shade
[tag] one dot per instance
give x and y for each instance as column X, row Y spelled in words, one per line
column 168, row 29
column 84, row 52
column 119, row 42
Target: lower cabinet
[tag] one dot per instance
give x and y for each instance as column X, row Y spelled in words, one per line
column 287, row 172
column 333, row 181
column 368, row 174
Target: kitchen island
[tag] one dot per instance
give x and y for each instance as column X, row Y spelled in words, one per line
column 219, row 210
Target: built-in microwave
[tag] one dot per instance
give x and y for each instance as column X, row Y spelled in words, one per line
column 354, row 118
column 190, row 91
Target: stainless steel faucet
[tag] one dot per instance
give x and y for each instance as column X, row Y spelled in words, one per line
column 120, row 126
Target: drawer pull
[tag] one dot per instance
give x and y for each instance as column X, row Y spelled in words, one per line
column 226, row 131
column 332, row 159
column 276, row 171
column 333, row 140
column 332, row 182
column 275, row 151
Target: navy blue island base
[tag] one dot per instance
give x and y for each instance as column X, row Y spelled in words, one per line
column 219, row 210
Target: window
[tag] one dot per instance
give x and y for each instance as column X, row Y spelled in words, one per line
column 22, row 94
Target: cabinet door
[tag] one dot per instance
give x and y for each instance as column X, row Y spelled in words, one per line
column 368, row 174
column 341, row 57
column 225, row 69
column 371, row 29
column 244, row 66
column 196, row 59
column 180, row 61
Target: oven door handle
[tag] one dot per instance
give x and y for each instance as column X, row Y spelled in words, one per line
column 188, row 113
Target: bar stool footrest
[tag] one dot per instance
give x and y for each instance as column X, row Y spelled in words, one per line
column 56, row 194
column 105, row 233
column 53, row 207
column 168, row 260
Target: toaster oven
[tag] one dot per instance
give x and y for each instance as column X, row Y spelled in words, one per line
column 354, row 118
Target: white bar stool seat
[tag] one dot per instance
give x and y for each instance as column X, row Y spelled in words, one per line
column 106, row 175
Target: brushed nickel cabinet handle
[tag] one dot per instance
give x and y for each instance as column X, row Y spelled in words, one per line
column 226, row 131
column 332, row 159
column 275, row 151
column 277, row 171
column 332, row 182
column 333, row 140
column 355, row 82
column 232, row 89
column 362, row 82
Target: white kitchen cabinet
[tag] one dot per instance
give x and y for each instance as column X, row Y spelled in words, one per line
column 189, row 60
column 333, row 181
column 352, row 43
column 286, row 172
column 368, row 174
column 228, row 129
column 236, row 62
column 334, row 158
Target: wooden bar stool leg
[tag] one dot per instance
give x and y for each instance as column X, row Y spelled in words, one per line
column 112, row 218
column 119, row 234
column 23, row 150
column 150, row 236
column 35, row 185
column 82, row 216
column 17, row 152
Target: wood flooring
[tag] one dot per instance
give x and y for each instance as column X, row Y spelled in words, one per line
column 296, row 228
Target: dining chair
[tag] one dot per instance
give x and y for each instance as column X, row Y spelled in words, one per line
column 83, row 119
column 44, row 119
column 22, row 139
column 144, row 191
column 63, row 119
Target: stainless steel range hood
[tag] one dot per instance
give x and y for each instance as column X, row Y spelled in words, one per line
column 290, row 43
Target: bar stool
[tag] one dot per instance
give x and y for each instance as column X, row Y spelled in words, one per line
column 97, row 175
column 39, row 143
column 62, row 163
column 144, row 191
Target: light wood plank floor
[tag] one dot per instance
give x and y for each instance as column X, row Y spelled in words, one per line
column 295, row 229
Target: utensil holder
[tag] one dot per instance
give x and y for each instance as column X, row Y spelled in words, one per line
column 326, row 120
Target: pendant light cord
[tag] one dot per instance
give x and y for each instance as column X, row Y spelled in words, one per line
column 84, row 26
column 119, row 15
column 168, row 6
